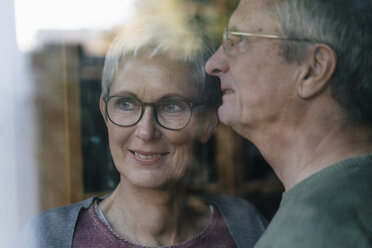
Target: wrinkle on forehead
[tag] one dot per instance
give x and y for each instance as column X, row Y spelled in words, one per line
column 253, row 16
column 149, row 79
column 261, row 4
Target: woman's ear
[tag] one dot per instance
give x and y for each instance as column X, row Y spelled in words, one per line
column 102, row 108
column 317, row 70
column 209, row 127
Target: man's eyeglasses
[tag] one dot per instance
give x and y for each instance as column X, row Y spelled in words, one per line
column 231, row 40
column 126, row 111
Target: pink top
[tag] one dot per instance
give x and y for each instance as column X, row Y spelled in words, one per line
column 91, row 230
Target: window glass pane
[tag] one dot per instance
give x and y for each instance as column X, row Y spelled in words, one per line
column 64, row 44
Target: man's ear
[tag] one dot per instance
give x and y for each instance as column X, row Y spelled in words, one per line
column 209, row 127
column 102, row 108
column 317, row 70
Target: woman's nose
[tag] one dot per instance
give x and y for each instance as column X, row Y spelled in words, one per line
column 217, row 64
column 147, row 127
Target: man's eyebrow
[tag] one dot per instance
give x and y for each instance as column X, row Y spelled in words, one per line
column 232, row 28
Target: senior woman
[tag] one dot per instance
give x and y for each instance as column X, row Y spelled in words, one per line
column 157, row 103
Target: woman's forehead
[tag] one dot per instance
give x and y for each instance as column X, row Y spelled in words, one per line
column 154, row 76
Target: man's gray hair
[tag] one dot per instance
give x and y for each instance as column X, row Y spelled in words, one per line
column 346, row 26
column 188, row 44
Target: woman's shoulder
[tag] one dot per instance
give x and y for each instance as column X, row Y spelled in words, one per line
column 59, row 215
column 229, row 203
column 52, row 226
column 244, row 221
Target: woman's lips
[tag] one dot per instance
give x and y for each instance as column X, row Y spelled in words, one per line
column 147, row 157
column 143, row 156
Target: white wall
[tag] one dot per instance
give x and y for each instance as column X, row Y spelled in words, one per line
column 18, row 133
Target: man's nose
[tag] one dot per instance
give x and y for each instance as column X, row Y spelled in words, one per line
column 147, row 127
column 216, row 65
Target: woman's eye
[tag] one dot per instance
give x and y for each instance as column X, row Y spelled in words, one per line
column 172, row 107
column 126, row 104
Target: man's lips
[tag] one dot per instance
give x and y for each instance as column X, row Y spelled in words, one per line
column 226, row 91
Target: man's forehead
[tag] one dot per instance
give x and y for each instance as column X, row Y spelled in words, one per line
column 252, row 16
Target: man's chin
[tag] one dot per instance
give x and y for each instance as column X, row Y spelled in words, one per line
column 231, row 118
column 227, row 115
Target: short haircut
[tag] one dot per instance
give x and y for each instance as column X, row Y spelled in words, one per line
column 188, row 45
column 346, row 26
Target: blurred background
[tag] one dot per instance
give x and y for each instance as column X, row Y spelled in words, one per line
column 53, row 141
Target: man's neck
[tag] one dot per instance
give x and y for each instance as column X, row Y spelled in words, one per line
column 299, row 153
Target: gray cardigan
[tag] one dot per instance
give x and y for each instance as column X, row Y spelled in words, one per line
column 55, row 227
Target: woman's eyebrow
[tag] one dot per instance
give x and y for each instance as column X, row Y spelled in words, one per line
column 168, row 96
column 174, row 96
column 125, row 93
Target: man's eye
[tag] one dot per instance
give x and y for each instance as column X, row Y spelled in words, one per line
column 236, row 39
column 242, row 39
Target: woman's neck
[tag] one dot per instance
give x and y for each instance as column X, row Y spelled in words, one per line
column 153, row 217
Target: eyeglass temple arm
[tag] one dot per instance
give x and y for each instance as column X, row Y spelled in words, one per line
column 269, row 36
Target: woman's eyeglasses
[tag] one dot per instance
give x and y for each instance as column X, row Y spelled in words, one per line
column 126, row 111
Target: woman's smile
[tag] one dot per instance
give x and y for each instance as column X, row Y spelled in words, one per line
column 148, row 157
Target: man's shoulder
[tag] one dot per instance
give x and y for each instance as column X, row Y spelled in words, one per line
column 315, row 226
column 330, row 209
column 344, row 184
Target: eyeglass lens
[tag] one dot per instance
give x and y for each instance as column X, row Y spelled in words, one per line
column 229, row 43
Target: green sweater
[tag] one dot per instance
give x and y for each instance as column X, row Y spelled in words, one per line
column 332, row 208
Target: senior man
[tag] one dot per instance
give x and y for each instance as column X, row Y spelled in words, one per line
column 296, row 78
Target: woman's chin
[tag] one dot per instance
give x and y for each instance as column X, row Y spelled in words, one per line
column 150, row 182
